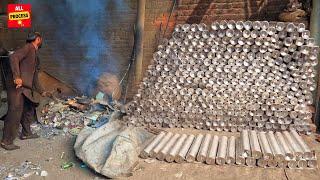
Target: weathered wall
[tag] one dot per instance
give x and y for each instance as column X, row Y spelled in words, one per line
column 120, row 36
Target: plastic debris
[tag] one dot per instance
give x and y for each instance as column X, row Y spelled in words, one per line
column 67, row 165
column 83, row 165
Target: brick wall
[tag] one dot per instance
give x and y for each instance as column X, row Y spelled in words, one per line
column 206, row 11
column 120, row 35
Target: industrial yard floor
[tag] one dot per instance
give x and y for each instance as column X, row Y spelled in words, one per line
column 47, row 153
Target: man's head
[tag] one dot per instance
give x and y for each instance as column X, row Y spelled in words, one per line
column 35, row 38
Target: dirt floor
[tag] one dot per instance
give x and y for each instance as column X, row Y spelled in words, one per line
column 47, row 153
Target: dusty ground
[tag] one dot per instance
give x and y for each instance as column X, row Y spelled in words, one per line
column 47, row 153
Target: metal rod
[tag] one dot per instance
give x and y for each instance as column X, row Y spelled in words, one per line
column 184, row 149
column 292, row 163
column 222, row 151
column 272, row 163
column 231, row 155
column 312, row 163
column 276, row 151
column 251, row 161
column 146, row 152
column 240, row 160
column 201, row 157
column 302, row 163
column 262, row 162
column 161, row 144
column 191, row 156
column 294, row 146
column 284, row 146
column 175, row 150
column 213, row 150
column 254, row 143
column 245, row 143
column 265, row 146
column 307, row 154
column 282, row 164
column 165, row 150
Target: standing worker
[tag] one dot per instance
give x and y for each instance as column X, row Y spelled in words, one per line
column 22, row 86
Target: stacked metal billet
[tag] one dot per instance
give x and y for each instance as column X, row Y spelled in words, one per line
column 230, row 76
column 263, row 149
column 279, row 149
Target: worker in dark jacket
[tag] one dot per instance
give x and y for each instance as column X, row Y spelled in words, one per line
column 22, row 87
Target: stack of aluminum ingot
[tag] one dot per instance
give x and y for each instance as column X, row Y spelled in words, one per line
column 230, row 76
column 252, row 148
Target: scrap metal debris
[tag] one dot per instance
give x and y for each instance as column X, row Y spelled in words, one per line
column 24, row 170
column 68, row 117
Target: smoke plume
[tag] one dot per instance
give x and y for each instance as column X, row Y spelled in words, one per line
column 80, row 30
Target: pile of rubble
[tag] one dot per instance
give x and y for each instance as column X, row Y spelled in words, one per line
column 68, row 117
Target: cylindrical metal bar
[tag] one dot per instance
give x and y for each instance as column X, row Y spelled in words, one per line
column 293, row 144
column 272, row 163
column 265, row 146
column 213, row 150
column 245, row 143
column 276, row 151
column 240, row 160
column 262, row 162
column 302, row 163
column 283, row 144
column 251, row 161
column 312, row 163
column 175, row 149
column 161, row 144
column 292, row 163
column 254, row 143
column 146, row 151
column 231, row 155
column 282, row 164
column 222, row 151
column 194, row 148
column 165, row 150
column 184, row 149
column 201, row 157
column 307, row 154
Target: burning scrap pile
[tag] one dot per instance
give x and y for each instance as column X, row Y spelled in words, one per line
column 71, row 115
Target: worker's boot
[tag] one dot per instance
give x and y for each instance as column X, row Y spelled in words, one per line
column 31, row 136
column 9, row 147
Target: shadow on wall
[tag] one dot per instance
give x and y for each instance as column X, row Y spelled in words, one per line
column 255, row 10
column 198, row 12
